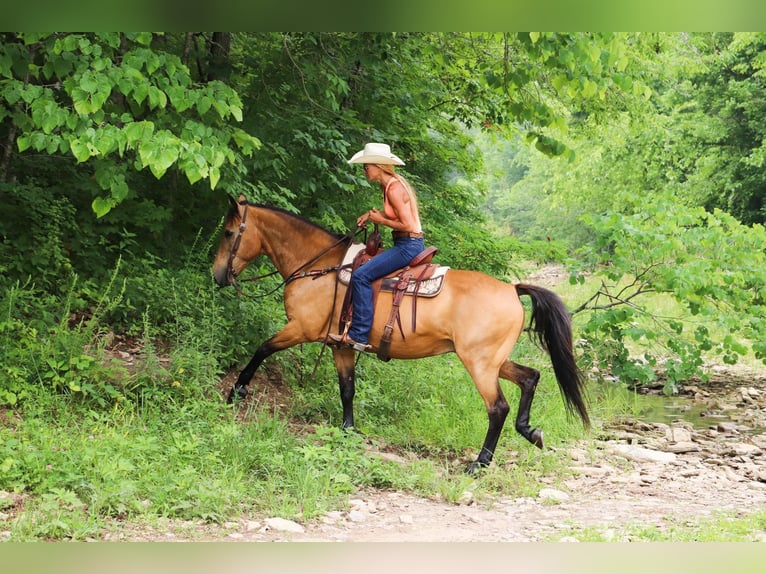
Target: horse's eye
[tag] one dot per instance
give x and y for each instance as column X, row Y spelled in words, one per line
column 228, row 233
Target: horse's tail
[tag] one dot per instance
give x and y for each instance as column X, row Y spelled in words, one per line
column 551, row 326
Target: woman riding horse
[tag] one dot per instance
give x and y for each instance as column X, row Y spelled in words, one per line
column 400, row 213
column 476, row 316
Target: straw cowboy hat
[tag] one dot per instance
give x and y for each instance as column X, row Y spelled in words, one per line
column 376, row 153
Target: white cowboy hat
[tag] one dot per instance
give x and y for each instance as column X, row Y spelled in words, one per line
column 376, row 153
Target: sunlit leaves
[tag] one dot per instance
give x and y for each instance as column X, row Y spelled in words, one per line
column 105, row 96
column 711, row 264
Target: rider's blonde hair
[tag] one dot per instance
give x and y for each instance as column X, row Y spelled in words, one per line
column 389, row 169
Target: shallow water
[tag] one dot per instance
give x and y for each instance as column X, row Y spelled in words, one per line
column 702, row 407
column 663, row 409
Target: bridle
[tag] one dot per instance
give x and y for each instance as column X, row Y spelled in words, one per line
column 230, row 275
column 297, row 274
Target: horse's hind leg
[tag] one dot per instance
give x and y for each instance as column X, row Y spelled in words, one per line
column 526, row 378
column 497, row 410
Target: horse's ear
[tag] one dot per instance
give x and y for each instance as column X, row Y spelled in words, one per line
column 242, row 198
column 232, row 200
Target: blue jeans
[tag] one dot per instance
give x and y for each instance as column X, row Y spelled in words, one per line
column 404, row 250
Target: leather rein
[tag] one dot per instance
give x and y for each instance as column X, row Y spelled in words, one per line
column 297, row 274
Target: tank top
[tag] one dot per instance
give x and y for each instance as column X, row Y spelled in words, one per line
column 388, row 209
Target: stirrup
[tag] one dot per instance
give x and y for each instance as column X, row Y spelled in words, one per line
column 345, row 341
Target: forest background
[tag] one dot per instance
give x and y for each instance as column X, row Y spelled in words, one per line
column 633, row 160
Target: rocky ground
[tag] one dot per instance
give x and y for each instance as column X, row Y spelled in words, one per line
column 636, row 473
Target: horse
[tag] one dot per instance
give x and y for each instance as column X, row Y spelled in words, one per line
column 476, row 316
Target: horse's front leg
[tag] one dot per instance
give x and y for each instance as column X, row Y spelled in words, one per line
column 289, row 336
column 344, row 363
column 240, row 387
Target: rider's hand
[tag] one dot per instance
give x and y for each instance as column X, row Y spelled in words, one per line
column 361, row 221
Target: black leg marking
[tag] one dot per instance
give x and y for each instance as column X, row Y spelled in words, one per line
column 239, row 391
column 497, row 414
column 528, row 383
column 347, row 392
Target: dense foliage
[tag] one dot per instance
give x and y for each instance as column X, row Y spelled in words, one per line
column 666, row 199
column 634, row 159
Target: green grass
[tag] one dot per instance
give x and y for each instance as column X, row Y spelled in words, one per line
column 169, row 453
column 723, row 527
column 85, row 443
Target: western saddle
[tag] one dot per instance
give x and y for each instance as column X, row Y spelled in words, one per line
column 407, row 280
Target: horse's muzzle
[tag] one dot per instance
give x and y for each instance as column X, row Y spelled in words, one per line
column 222, row 277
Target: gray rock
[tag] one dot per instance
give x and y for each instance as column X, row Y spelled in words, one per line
column 640, row 454
column 678, row 435
column 727, row 427
column 252, row 525
column 553, row 495
column 284, row 525
column 466, row 498
column 681, row 447
column 357, row 516
column 744, row 449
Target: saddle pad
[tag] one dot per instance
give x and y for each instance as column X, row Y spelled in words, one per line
column 428, row 288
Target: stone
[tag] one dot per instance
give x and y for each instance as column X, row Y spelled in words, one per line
column 406, row 519
column 744, row 449
column 590, row 471
column 640, row 454
column 252, row 526
column 284, row 525
column 678, row 434
column 727, row 427
column 681, row 447
column 332, row 517
column 357, row 516
column 466, row 498
column 553, row 495
column 578, row 455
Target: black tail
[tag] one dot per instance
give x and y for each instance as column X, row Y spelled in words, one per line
column 552, row 327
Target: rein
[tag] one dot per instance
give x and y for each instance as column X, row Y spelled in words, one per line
column 297, row 274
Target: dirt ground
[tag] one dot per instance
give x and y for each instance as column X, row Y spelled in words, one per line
column 635, row 473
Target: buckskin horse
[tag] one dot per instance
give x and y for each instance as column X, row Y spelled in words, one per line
column 476, row 316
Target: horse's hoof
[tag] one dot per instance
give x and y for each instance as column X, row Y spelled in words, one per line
column 237, row 393
column 536, row 438
column 475, row 467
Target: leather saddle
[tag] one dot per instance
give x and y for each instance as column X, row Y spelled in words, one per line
column 409, row 280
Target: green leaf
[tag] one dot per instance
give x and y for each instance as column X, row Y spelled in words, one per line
column 23, row 142
column 119, row 188
column 102, row 205
column 215, row 176
column 80, row 150
column 203, row 105
column 136, row 132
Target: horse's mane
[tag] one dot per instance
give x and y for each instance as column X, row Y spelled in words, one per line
column 301, row 221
